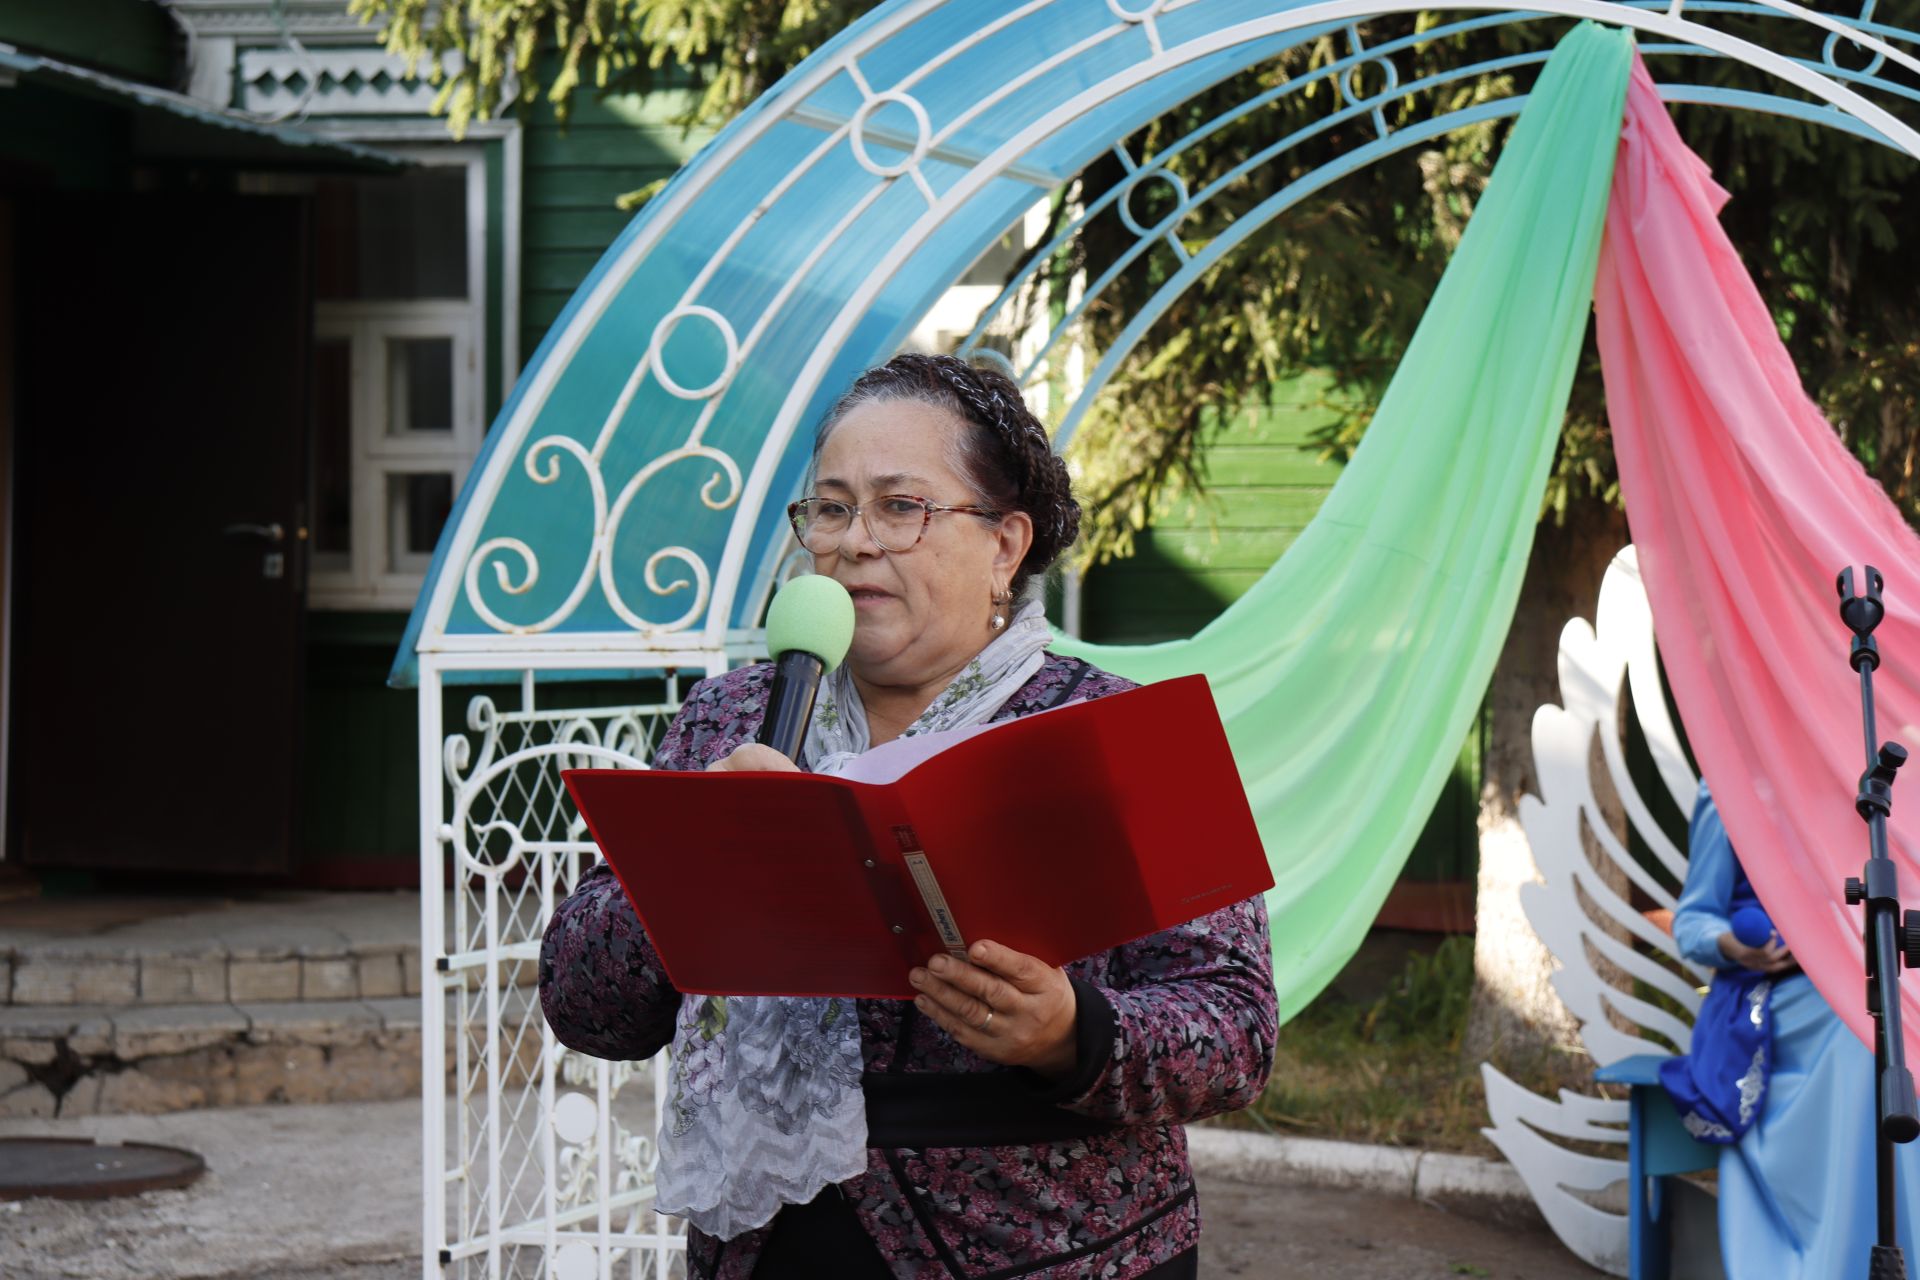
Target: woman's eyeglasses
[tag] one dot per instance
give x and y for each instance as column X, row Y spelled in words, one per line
column 896, row 521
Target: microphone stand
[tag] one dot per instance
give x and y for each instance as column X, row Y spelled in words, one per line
column 1887, row 939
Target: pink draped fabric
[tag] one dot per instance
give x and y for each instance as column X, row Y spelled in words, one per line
column 1744, row 505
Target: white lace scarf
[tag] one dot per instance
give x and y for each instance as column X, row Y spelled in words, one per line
column 763, row 1100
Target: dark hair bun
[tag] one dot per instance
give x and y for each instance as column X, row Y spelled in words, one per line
column 1007, row 455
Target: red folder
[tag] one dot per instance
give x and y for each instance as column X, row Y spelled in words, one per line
column 1060, row 834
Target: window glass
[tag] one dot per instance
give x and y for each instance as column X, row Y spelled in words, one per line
column 419, row 385
column 332, row 446
column 418, row 504
column 380, row 239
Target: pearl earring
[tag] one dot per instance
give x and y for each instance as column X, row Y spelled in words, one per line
column 998, row 622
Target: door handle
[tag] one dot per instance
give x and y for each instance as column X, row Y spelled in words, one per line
column 274, row 563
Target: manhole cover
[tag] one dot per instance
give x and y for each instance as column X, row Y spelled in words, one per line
column 81, row 1169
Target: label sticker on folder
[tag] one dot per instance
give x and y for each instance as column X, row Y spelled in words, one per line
column 936, row 902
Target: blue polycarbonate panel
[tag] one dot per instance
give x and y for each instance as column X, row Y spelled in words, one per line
column 813, row 262
column 886, row 324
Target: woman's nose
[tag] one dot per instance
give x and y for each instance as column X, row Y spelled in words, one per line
column 858, row 539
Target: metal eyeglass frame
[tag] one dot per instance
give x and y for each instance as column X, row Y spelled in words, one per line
column 859, row 509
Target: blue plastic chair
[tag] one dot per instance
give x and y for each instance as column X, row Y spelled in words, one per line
column 1658, row 1147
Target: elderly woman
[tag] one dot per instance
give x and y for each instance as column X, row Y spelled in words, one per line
column 1013, row 1119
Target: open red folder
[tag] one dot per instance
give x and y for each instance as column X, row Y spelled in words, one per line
column 1059, row 834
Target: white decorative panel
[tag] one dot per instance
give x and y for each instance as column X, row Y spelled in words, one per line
column 1584, row 919
column 334, row 82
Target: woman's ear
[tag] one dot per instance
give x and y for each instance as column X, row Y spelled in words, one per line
column 1014, row 538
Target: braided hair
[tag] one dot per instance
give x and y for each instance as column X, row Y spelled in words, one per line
column 1004, row 454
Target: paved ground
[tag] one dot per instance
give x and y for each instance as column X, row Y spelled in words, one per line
column 1310, row 1233
column 331, row 1193
column 287, row 1187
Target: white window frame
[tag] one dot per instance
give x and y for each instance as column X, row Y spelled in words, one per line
column 364, row 579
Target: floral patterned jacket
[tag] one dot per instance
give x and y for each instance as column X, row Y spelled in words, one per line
column 1183, row 1026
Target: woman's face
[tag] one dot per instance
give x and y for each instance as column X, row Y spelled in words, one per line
column 919, row 614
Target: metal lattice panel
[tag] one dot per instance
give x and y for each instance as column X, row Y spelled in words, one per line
column 546, row 1157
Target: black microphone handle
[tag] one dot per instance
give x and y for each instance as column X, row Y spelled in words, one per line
column 796, row 681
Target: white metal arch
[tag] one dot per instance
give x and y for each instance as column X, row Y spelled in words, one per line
column 1338, row 11
column 714, row 614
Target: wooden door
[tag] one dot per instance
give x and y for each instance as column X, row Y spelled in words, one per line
column 161, row 441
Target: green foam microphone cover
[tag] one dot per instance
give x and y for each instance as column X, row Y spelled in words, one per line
column 813, row 614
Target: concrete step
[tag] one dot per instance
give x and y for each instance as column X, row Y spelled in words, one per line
column 157, row 1004
column 87, row 1060
column 68, row 973
column 277, row 946
column 65, row 1060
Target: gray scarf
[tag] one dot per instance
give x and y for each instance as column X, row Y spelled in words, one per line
column 763, row 1102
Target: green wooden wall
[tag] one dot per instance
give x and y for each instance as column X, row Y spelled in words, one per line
column 572, row 177
column 132, row 38
column 1265, row 479
column 359, row 815
column 359, row 794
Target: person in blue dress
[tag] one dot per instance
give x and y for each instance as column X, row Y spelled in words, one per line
column 1797, row 1192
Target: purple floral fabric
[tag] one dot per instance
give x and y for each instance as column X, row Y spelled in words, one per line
column 1195, row 1023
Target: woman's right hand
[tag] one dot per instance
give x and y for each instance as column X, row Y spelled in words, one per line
column 753, row 757
column 1771, row 958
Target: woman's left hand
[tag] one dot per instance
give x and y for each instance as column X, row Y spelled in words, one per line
column 1006, row 1006
column 752, row 757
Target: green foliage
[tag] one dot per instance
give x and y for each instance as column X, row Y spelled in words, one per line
column 1430, row 998
column 1387, row 1071
column 733, row 50
column 1339, row 282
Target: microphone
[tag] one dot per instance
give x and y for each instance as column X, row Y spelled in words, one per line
column 809, row 628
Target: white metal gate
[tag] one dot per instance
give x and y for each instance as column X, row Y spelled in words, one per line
column 539, row 1160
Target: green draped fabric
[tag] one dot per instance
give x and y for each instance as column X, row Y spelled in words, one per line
column 1349, row 675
